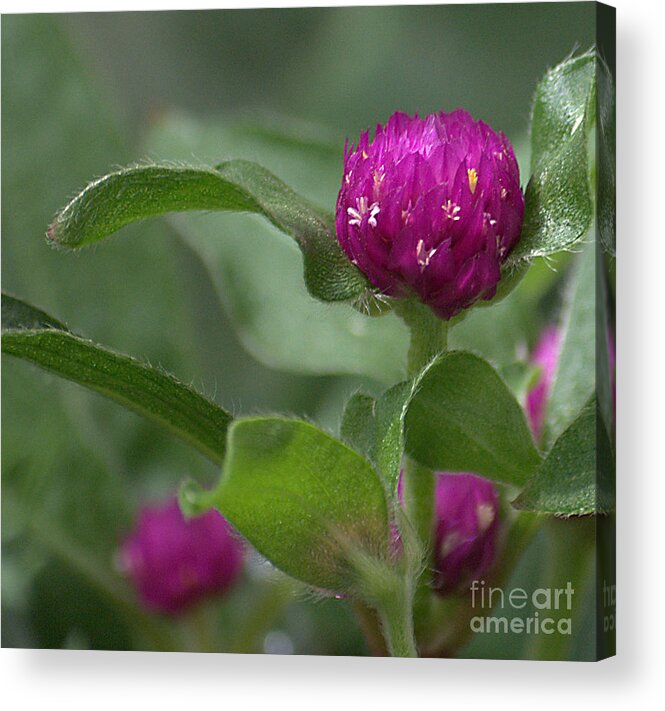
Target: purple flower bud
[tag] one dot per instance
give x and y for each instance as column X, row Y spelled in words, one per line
column 431, row 207
column 467, row 530
column 174, row 563
column 545, row 355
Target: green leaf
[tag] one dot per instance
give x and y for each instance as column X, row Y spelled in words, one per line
column 17, row 315
column 390, row 412
column 303, row 499
column 463, row 417
column 558, row 196
column 606, row 162
column 358, row 427
column 257, row 272
column 375, row 429
column 32, row 335
column 141, row 191
column 575, row 478
column 575, row 376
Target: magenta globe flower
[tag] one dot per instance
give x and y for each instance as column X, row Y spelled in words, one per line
column 467, row 530
column 431, row 207
column 545, row 355
column 175, row 563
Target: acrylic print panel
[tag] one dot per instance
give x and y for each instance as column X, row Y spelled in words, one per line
column 337, row 377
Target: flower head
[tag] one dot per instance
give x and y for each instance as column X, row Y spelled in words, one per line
column 174, row 563
column 545, row 355
column 467, row 530
column 431, row 207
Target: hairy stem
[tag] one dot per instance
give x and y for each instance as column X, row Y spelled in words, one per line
column 418, row 496
column 429, row 334
column 396, row 615
column 429, row 338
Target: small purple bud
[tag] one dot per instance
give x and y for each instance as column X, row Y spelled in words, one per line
column 467, row 530
column 175, row 563
column 545, row 355
column 431, row 207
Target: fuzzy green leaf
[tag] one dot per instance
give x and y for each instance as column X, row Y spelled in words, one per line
column 576, row 477
column 575, row 376
column 141, row 191
column 375, row 429
column 304, row 500
column 390, row 412
column 358, row 427
column 32, row 335
column 606, row 163
column 558, row 196
column 463, row 417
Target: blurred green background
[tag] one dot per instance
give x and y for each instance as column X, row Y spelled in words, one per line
column 217, row 300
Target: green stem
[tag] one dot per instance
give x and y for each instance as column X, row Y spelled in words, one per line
column 418, row 497
column 429, row 338
column 429, row 334
column 397, row 622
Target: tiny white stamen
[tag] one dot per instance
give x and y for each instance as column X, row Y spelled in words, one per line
column 489, row 219
column 451, row 210
column 423, row 256
column 374, row 210
column 357, row 215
